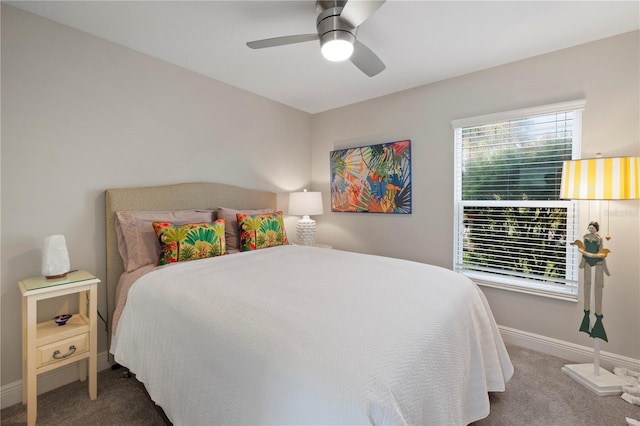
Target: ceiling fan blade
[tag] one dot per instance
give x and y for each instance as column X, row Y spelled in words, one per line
column 281, row 41
column 355, row 12
column 367, row 61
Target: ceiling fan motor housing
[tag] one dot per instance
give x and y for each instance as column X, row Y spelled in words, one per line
column 322, row 5
column 330, row 27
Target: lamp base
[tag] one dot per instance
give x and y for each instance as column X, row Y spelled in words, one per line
column 306, row 231
column 53, row 277
column 603, row 384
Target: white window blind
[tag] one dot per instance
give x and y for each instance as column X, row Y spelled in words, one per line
column 511, row 228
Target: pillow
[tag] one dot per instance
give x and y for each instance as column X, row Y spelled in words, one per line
column 191, row 241
column 137, row 242
column 261, row 231
column 231, row 230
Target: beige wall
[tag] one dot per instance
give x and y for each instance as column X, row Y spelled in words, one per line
column 80, row 114
column 606, row 73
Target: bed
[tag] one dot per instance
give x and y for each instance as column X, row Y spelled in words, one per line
column 289, row 334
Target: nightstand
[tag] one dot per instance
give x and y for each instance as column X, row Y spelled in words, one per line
column 46, row 345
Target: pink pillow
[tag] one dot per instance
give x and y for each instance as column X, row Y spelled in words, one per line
column 137, row 241
column 231, row 235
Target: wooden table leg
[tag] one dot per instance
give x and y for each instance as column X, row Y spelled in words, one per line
column 82, row 311
column 93, row 342
column 31, row 380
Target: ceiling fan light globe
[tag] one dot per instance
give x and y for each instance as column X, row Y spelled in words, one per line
column 337, row 50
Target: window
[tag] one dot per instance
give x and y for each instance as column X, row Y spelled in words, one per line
column 511, row 228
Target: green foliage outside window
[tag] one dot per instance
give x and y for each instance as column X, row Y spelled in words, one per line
column 514, row 162
column 524, row 240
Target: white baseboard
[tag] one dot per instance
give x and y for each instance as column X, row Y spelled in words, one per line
column 566, row 350
column 11, row 393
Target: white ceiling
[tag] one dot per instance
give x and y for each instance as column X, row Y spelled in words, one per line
column 419, row 41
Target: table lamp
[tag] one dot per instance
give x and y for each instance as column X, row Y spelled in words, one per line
column 55, row 257
column 305, row 204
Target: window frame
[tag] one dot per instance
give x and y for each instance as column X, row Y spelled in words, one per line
column 567, row 291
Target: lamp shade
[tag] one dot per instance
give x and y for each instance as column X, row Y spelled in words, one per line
column 55, row 257
column 601, row 179
column 305, row 203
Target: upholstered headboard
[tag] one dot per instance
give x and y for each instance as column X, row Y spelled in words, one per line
column 199, row 195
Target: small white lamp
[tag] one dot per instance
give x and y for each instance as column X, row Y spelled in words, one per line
column 55, row 257
column 305, row 204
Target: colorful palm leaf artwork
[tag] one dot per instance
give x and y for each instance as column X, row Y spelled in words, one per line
column 372, row 179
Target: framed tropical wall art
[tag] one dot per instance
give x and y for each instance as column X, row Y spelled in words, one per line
column 372, row 179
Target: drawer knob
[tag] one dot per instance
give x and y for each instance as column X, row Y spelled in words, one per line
column 72, row 350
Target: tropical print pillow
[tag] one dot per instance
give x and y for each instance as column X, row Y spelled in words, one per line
column 179, row 243
column 261, row 230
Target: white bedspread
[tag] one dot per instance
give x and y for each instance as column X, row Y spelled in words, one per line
column 304, row 335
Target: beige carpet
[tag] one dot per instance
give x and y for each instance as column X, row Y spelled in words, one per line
column 538, row 394
column 121, row 401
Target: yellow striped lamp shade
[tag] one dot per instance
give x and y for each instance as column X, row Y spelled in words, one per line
column 601, row 179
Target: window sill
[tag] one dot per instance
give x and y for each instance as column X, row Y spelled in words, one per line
column 567, row 297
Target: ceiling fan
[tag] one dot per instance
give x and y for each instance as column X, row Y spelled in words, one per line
column 337, row 25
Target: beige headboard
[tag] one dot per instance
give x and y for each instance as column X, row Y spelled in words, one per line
column 199, row 195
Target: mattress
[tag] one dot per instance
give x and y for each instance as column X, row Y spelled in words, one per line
column 305, row 335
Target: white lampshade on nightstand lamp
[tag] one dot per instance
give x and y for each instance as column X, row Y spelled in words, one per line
column 55, row 257
column 597, row 179
column 305, row 204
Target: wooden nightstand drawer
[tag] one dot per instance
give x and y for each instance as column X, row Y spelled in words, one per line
column 62, row 350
